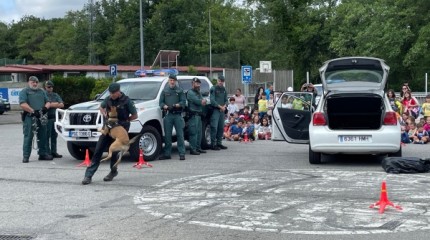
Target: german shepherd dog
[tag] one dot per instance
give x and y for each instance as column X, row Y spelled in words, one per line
column 122, row 142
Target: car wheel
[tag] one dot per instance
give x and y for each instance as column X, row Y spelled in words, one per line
column 150, row 143
column 314, row 157
column 206, row 135
column 1, row 112
column 78, row 152
column 396, row 154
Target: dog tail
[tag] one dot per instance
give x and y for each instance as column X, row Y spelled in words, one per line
column 134, row 139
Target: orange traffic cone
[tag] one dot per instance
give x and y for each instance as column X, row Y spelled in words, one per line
column 383, row 200
column 87, row 161
column 245, row 138
column 141, row 161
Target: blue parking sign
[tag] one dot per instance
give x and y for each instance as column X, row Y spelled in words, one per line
column 113, row 69
column 246, row 74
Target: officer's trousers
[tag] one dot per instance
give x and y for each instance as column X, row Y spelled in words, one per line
column 51, row 137
column 104, row 142
column 177, row 121
column 195, row 131
column 217, row 127
column 28, row 137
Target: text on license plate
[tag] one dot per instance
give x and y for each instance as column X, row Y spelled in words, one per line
column 80, row 133
column 355, row 139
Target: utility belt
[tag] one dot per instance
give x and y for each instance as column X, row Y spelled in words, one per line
column 175, row 112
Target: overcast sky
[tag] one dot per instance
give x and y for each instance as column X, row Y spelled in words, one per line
column 16, row 9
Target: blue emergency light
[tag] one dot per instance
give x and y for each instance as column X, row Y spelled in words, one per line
column 156, row 72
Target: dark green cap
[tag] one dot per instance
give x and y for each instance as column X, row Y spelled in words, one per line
column 221, row 77
column 197, row 80
column 172, row 76
column 49, row 83
column 114, row 87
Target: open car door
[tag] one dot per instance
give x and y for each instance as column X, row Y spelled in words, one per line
column 292, row 115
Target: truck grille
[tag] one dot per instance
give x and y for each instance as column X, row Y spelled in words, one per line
column 83, row 118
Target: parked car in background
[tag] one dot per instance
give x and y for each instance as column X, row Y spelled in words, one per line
column 319, row 89
column 4, row 105
column 354, row 116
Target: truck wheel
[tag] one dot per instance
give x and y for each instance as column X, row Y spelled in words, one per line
column 78, row 152
column 206, row 135
column 314, row 157
column 150, row 143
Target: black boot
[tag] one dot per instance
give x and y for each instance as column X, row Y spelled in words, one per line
column 194, row 152
column 215, row 147
column 222, row 146
column 25, row 159
column 45, row 157
column 86, row 181
column 201, row 151
column 110, row 176
column 56, row 155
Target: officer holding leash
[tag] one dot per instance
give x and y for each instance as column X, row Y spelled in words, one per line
column 126, row 113
column 195, row 111
column 56, row 102
column 219, row 103
column 172, row 103
column 35, row 104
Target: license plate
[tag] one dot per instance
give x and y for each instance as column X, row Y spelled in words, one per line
column 355, row 139
column 78, row 133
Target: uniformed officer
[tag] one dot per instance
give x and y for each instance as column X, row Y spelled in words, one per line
column 35, row 103
column 172, row 102
column 219, row 103
column 56, row 102
column 126, row 113
column 195, row 110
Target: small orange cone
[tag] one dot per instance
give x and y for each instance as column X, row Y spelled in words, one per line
column 141, row 161
column 87, row 161
column 245, row 138
column 383, row 200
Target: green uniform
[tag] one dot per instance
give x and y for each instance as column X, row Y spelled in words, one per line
column 36, row 99
column 195, row 109
column 218, row 98
column 51, row 133
column 170, row 97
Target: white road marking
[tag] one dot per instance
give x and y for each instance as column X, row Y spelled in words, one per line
column 292, row 201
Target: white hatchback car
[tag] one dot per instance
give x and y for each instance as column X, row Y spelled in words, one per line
column 353, row 115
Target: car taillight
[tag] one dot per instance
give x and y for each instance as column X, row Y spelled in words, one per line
column 390, row 118
column 319, row 119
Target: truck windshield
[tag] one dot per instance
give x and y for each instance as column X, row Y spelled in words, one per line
column 137, row 90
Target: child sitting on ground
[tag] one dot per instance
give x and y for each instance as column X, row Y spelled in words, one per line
column 236, row 131
column 421, row 136
column 248, row 130
column 265, row 130
column 227, row 126
column 412, row 131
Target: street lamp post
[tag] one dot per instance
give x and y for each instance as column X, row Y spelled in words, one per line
column 142, row 65
column 210, row 46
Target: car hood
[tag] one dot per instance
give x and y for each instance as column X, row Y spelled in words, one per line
column 94, row 105
column 354, row 74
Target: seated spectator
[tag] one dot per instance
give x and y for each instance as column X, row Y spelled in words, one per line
column 236, row 116
column 403, row 119
column 412, row 131
column 298, row 103
column 256, row 123
column 246, row 114
column 265, row 130
column 248, row 130
column 286, row 102
column 410, row 105
column 230, row 122
column 232, row 108
column 395, row 104
column 404, row 137
column 421, row 136
column 426, row 126
column 236, row 131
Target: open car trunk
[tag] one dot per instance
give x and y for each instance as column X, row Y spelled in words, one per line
column 354, row 111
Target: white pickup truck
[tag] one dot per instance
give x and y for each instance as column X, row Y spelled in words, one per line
column 79, row 124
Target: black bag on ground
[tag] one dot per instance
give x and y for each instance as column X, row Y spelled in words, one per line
column 405, row 165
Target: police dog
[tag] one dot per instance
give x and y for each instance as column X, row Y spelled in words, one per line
column 122, row 142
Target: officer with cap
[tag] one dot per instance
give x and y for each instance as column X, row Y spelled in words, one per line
column 126, row 113
column 172, row 103
column 195, row 110
column 219, row 103
column 35, row 104
column 56, row 102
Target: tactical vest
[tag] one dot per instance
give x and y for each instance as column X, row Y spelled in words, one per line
column 171, row 96
column 121, row 105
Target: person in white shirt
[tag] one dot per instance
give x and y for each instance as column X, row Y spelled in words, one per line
column 239, row 100
column 232, row 107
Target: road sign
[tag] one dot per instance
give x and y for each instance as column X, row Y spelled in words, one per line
column 113, row 70
column 246, row 74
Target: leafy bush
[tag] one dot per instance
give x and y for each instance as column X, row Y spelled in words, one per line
column 74, row 89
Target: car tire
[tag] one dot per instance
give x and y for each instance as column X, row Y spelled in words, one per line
column 78, row 152
column 206, row 135
column 314, row 157
column 396, row 154
column 150, row 142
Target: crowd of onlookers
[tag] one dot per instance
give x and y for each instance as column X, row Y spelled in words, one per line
column 414, row 117
column 244, row 123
